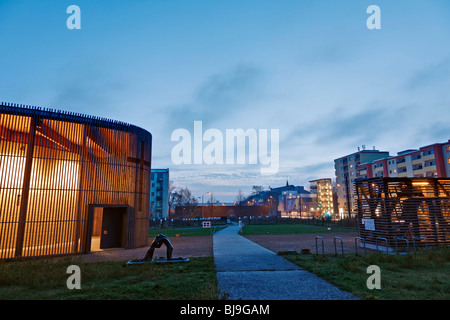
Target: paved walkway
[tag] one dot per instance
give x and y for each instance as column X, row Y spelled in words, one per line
column 247, row 271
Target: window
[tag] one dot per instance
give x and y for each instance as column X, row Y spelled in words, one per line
column 428, row 152
column 448, row 148
column 430, row 163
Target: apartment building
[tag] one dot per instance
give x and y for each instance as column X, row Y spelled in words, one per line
column 349, row 168
column 324, row 190
column 159, row 194
column 427, row 161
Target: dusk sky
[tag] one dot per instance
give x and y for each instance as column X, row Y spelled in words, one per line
column 311, row 69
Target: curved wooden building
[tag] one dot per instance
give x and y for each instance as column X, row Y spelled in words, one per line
column 71, row 183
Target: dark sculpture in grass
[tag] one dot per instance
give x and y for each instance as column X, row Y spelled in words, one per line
column 157, row 243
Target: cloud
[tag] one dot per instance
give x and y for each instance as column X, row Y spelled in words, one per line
column 337, row 126
column 433, row 74
column 221, row 96
column 433, row 133
column 87, row 87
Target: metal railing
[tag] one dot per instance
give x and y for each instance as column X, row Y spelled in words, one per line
column 342, row 245
column 323, row 247
column 361, row 240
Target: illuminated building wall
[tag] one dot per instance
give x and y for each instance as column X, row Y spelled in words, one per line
column 324, row 190
column 393, row 211
column 70, row 183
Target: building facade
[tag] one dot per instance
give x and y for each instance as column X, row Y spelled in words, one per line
column 346, row 169
column 159, row 194
column 432, row 161
column 324, row 190
column 276, row 199
column 295, row 204
column 71, row 183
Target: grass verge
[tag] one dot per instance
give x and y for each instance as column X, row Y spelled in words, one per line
column 262, row 229
column 43, row 279
column 424, row 275
column 184, row 232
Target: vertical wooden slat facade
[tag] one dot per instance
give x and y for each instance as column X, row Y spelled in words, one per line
column 415, row 209
column 54, row 166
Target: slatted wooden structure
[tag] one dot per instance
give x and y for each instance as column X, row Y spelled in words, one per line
column 402, row 211
column 63, row 176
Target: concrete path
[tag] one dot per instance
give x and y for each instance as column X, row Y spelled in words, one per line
column 247, row 271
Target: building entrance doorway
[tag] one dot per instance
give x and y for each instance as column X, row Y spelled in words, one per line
column 108, row 227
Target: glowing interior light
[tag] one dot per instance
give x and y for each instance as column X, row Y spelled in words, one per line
column 420, row 183
column 11, row 171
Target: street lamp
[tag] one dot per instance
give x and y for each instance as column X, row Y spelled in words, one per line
column 202, row 201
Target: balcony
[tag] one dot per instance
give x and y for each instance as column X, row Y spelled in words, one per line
column 403, row 174
column 428, row 157
column 401, row 164
column 378, row 169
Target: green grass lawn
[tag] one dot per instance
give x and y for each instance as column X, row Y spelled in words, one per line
column 424, row 275
column 262, row 229
column 184, row 231
column 42, row 279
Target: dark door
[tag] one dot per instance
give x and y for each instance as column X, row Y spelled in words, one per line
column 113, row 228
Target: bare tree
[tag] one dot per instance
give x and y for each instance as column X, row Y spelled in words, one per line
column 240, row 197
column 173, row 194
column 257, row 189
column 186, row 200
